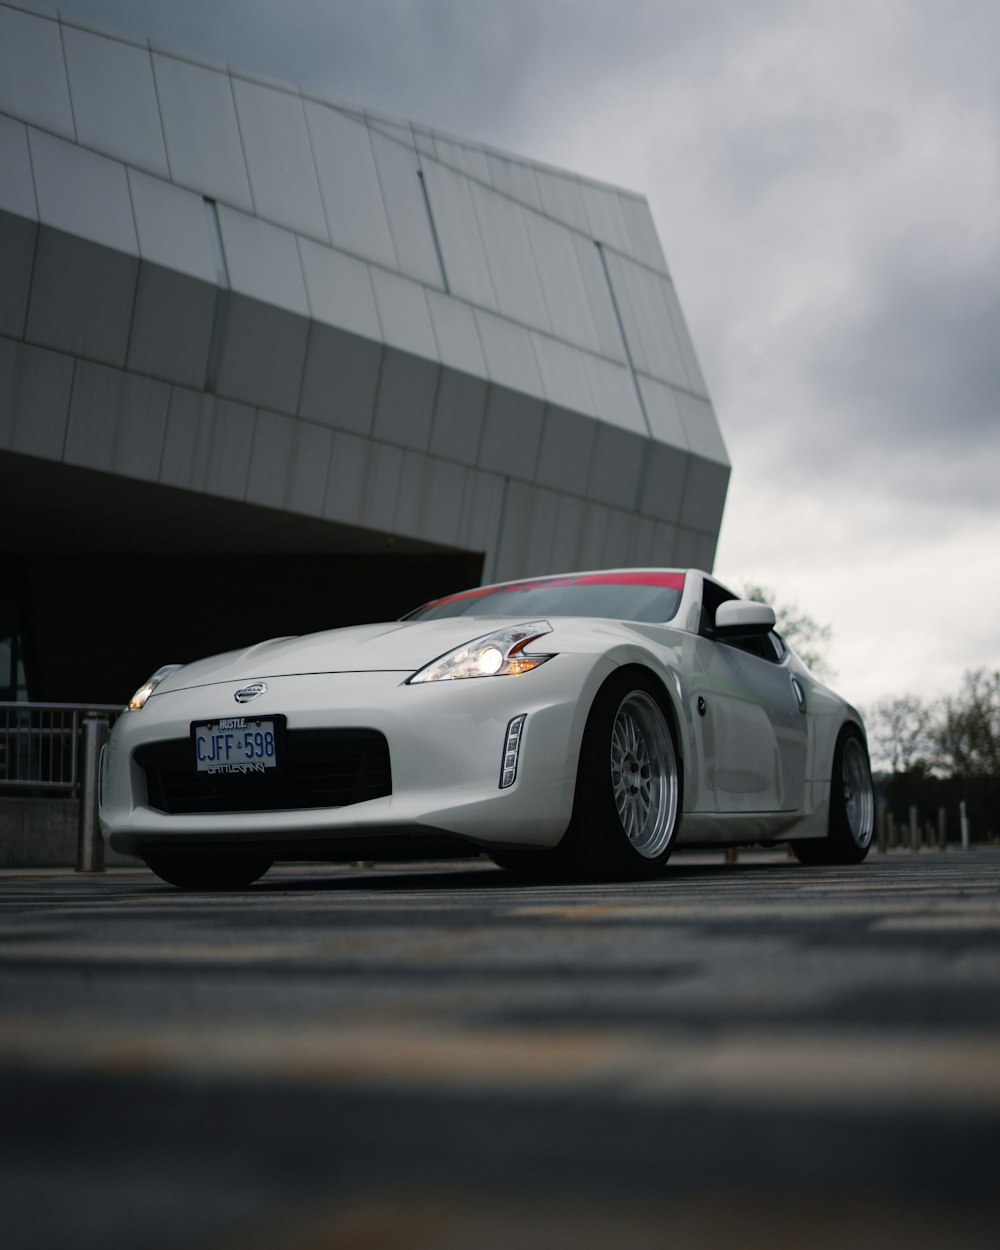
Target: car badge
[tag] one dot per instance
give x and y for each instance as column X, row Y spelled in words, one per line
column 246, row 693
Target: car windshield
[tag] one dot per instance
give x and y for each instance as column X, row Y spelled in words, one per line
column 628, row 596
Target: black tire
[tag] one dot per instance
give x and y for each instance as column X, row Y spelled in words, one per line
column 852, row 807
column 207, row 872
column 627, row 806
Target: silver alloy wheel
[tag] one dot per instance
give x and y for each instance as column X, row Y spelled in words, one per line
column 859, row 798
column 644, row 774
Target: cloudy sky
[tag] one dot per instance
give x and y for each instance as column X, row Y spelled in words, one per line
column 825, row 178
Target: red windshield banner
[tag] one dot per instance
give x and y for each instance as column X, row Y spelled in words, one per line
column 628, row 577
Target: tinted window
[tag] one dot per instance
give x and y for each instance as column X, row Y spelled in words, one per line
column 638, row 596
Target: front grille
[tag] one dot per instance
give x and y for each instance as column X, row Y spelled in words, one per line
column 316, row 768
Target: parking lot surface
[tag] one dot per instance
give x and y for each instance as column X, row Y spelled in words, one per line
column 433, row 1056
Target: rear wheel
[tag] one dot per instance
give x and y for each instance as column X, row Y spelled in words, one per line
column 852, row 807
column 207, row 872
column 627, row 805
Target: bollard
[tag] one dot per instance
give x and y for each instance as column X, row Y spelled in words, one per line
column 730, row 854
column 90, row 844
column 942, row 829
column 881, row 822
column 893, row 839
column 914, row 831
column 963, row 817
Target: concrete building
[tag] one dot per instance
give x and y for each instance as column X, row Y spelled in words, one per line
column 269, row 364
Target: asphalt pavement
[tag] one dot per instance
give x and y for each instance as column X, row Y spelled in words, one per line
column 751, row 1054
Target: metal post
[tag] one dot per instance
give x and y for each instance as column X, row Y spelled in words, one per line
column 90, row 845
column 880, row 822
column 942, row 829
column 963, row 817
column 914, row 830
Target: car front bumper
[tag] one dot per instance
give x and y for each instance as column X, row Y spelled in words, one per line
column 446, row 742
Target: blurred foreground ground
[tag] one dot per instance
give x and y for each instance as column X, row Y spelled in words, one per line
column 756, row 1054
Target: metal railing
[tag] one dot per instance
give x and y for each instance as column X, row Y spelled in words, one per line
column 40, row 744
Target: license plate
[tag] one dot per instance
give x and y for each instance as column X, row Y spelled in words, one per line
column 236, row 744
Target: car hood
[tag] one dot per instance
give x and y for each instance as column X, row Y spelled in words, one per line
column 395, row 646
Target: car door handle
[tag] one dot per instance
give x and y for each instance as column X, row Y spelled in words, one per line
column 800, row 694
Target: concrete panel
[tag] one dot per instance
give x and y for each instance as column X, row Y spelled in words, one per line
column 510, row 358
column 565, row 450
column 479, row 525
column 563, row 370
column 116, row 422
column 663, row 485
column 643, row 239
column 688, row 548
column 404, row 406
column 458, row 235
column 201, row 131
column 563, row 289
column 701, row 428
column 511, row 433
column 509, row 256
column 403, row 314
column 463, row 157
column 172, row 227
column 662, row 405
column 401, row 132
column 289, row 464
column 263, row 261
column 590, row 539
column 35, row 390
column 692, row 369
column 339, row 290
column 383, row 470
column 617, row 466
column 82, row 193
column 207, row 444
column 17, row 187
column 345, row 486
column 279, row 158
column 456, row 334
column 171, row 325
column 32, row 71
column 615, row 398
column 704, row 498
column 262, row 354
column 616, row 550
column 526, row 528
column 340, row 379
column 640, row 299
column 599, row 301
column 430, row 499
column 561, row 198
column 644, row 550
column 17, row 254
column 104, row 74
column 423, row 141
column 409, row 225
column 514, row 178
column 81, row 297
column 348, row 180
column 563, row 553
column 459, row 410
column 605, row 219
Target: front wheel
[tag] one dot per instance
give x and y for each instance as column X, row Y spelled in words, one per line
column 627, row 804
column 852, row 807
column 207, row 872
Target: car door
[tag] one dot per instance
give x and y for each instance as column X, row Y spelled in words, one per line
column 753, row 729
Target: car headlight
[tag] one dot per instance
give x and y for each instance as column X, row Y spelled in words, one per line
column 500, row 654
column 138, row 700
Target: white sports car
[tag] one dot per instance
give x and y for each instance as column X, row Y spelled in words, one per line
column 581, row 725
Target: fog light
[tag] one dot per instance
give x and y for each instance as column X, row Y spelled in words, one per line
column 511, row 750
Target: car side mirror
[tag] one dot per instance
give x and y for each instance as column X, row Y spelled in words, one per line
column 741, row 618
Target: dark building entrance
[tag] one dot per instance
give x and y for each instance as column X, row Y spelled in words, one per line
column 105, row 579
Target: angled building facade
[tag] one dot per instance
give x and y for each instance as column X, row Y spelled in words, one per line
column 269, row 363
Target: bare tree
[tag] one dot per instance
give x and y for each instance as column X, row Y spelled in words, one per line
column 967, row 732
column 807, row 638
column 900, row 731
